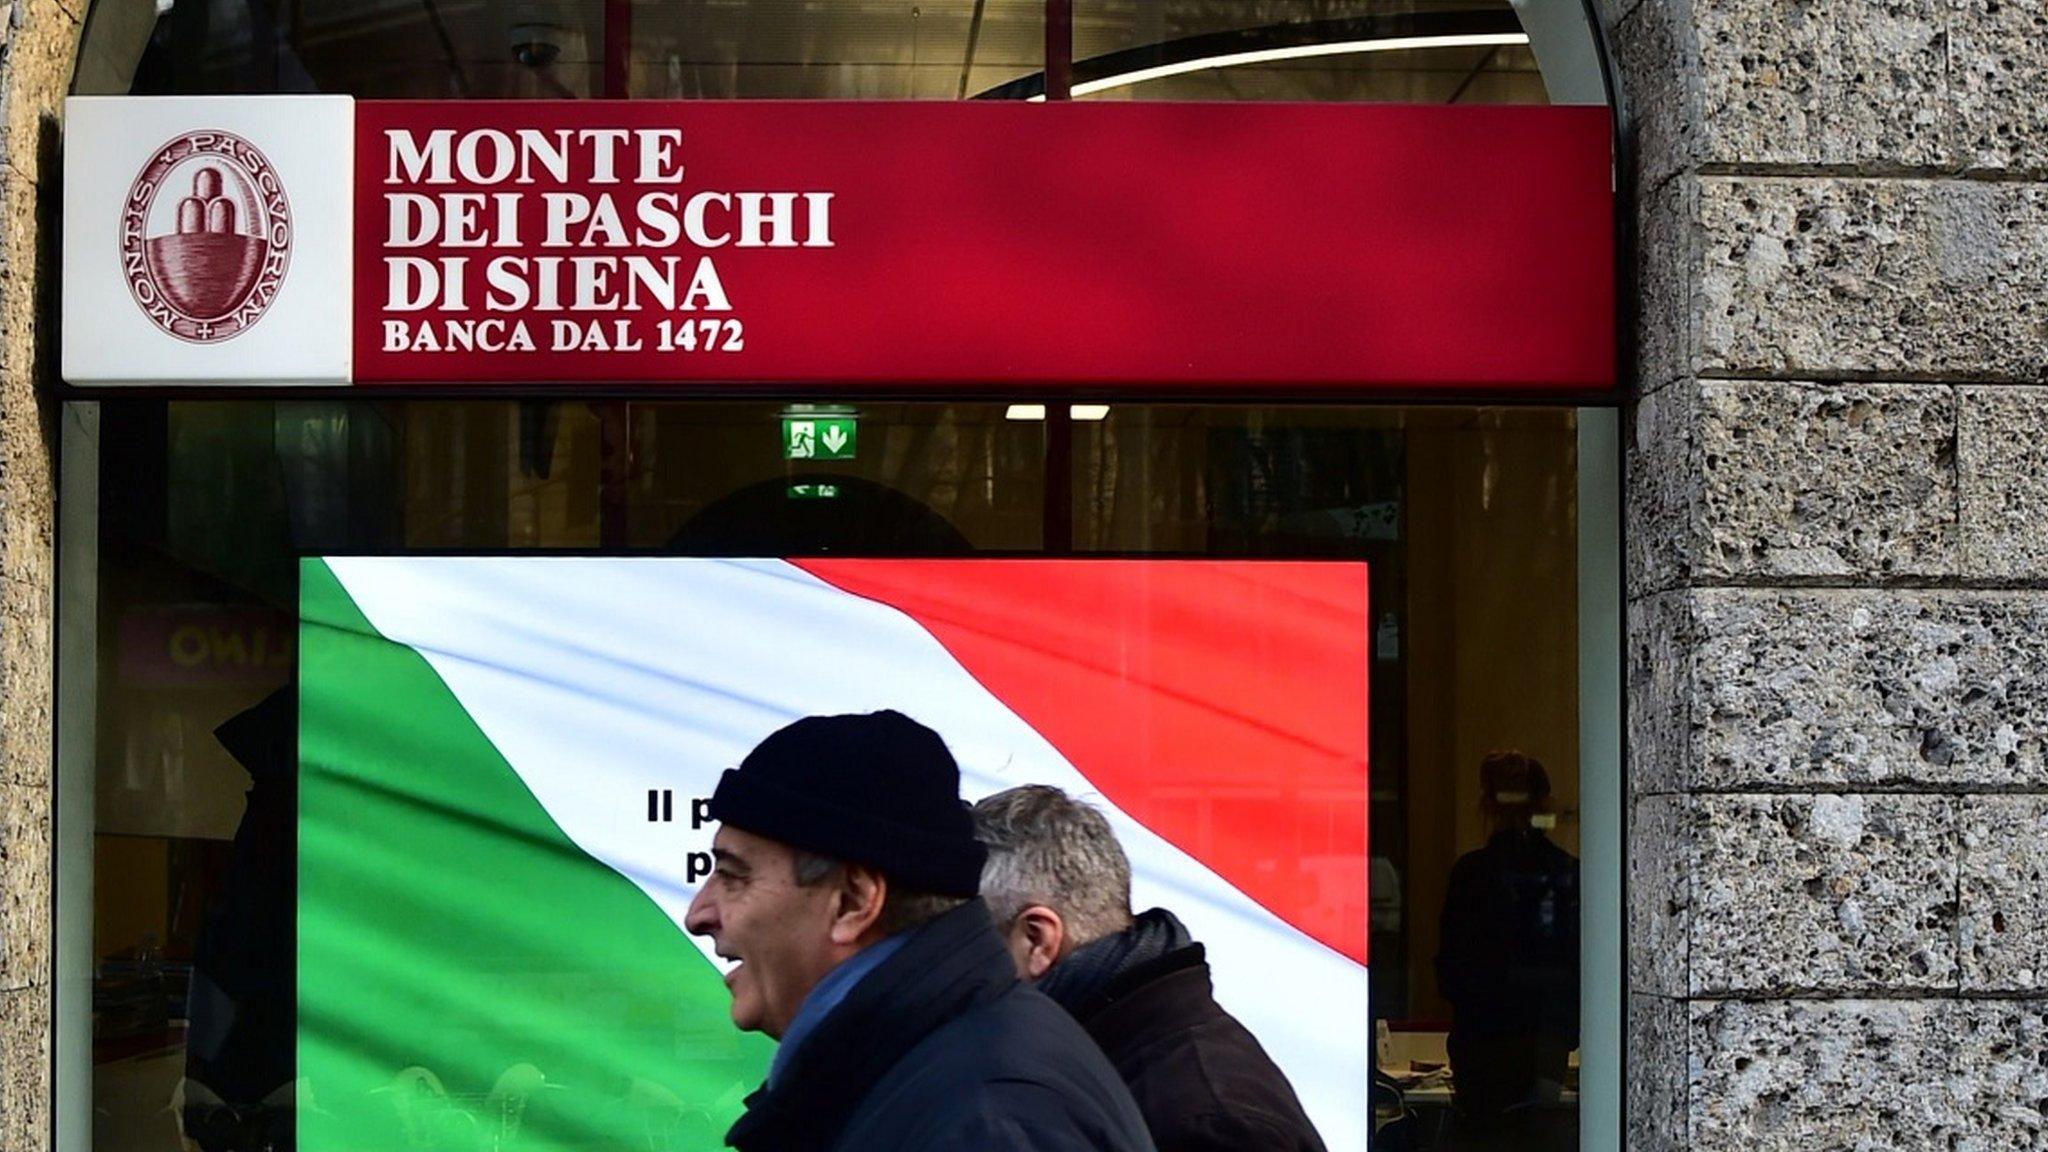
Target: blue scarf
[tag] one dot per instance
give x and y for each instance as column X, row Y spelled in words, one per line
column 821, row 1000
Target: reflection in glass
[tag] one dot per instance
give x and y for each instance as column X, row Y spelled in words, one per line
column 557, row 49
column 1468, row 519
column 1508, row 962
column 1462, row 51
column 1466, row 51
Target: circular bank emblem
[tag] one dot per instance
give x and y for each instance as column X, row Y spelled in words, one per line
column 206, row 235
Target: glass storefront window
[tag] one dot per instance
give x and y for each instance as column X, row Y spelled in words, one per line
column 1466, row 517
column 924, row 479
column 1462, row 52
column 763, row 49
column 1470, row 53
column 1468, row 520
column 792, row 50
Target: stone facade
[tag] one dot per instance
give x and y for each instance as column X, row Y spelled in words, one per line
column 37, row 41
column 1838, row 571
column 1838, row 575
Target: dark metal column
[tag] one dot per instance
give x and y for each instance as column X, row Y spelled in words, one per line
column 1059, row 49
column 1059, row 417
column 618, row 48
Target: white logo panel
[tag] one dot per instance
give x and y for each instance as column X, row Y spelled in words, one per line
column 208, row 240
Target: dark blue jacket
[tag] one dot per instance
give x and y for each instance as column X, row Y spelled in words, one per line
column 1200, row 1078
column 942, row 1049
column 1509, row 965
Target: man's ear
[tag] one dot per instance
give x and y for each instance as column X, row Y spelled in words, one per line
column 857, row 905
column 1045, row 939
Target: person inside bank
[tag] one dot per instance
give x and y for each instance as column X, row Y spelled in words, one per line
column 1508, row 962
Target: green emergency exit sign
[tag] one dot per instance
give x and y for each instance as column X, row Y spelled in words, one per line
column 818, row 437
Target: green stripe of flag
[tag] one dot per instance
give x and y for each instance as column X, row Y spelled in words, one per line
column 454, row 944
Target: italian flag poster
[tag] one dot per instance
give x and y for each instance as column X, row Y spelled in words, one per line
column 502, row 761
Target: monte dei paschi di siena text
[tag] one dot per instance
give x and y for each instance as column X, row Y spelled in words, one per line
column 592, row 226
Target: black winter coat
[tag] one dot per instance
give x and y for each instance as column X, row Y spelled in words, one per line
column 1201, row 1079
column 942, row 1049
column 1509, row 965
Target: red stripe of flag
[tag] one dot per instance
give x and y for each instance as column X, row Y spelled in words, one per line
column 1220, row 703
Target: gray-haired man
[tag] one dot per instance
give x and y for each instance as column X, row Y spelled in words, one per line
column 1059, row 885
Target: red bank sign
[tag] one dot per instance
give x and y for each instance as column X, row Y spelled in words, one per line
column 1319, row 248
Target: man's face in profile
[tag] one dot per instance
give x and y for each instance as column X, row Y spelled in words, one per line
column 755, row 913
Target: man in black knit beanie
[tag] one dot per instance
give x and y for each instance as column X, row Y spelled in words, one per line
column 845, row 892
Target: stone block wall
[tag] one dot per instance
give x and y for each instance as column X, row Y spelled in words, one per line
column 37, row 41
column 1838, row 574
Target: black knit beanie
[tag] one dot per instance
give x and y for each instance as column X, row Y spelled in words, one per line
column 878, row 789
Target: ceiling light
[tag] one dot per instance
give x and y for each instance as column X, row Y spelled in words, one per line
column 1298, row 52
column 1089, row 411
column 1025, row 412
